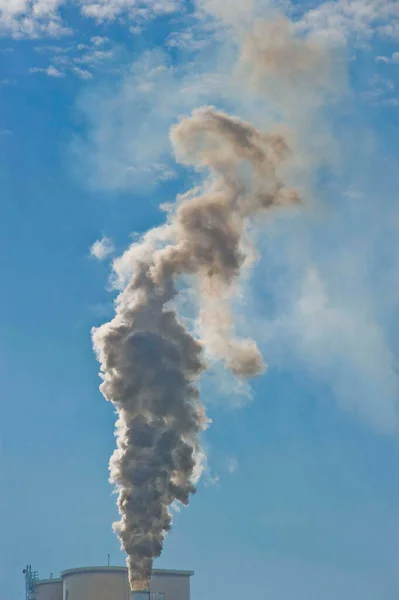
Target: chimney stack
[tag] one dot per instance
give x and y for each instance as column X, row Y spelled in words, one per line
column 140, row 595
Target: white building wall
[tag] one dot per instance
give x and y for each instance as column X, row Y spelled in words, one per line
column 49, row 589
column 111, row 583
column 95, row 584
column 175, row 587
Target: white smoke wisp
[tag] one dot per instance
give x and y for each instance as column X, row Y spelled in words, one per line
column 101, row 249
column 150, row 362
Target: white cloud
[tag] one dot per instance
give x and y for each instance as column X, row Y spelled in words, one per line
column 76, row 58
column 211, row 479
column 82, row 73
column 343, row 345
column 108, row 10
column 38, row 18
column 380, row 91
column 232, row 465
column 391, row 30
column 389, row 59
column 136, row 29
column 127, row 136
column 95, row 57
column 53, row 49
column 334, row 19
column 101, row 249
column 51, row 71
column 31, row 18
column 343, row 19
column 99, row 40
column 188, row 39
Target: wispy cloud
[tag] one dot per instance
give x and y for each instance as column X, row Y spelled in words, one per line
column 344, row 346
column 99, row 40
column 53, row 49
column 95, row 57
column 39, row 18
column 232, row 465
column 78, row 59
column 211, row 479
column 126, row 140
column 341, row 20
column 327, row 309
column 101, row 249
column 108, row 10
column 389, row 59
column 82, row 73
column 390, row 30
column 332, row 300
column 32, row 18
column 51, row 71
column 189, row 39
column 335, row 20
column 381, row 92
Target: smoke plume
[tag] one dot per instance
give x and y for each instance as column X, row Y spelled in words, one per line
column 150, row 362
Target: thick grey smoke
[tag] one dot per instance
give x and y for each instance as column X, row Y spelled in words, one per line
column 150, row 362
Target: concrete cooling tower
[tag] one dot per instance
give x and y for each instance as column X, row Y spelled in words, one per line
column 49, row 589
column 111, row 583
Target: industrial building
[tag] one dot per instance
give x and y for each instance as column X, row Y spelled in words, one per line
column 105, row 583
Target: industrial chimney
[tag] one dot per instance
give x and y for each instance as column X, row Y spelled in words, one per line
column 140, row 596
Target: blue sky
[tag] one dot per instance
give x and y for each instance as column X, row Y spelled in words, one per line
column 300, row 498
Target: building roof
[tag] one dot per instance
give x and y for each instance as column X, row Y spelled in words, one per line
column 53, row 580
column 156, row 572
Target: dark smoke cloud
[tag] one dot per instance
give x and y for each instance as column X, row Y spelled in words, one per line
column 211, row 227
column 150, row 362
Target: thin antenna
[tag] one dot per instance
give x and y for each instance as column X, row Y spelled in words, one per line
column 31, row 578
column 109, row 559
